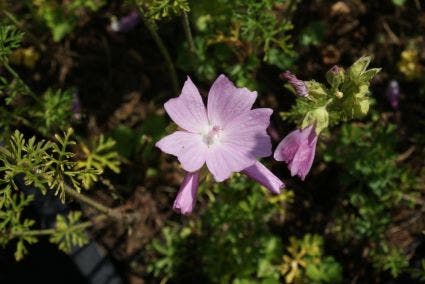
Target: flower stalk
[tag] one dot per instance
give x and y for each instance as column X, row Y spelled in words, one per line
column 161, row 46
column 188, row 32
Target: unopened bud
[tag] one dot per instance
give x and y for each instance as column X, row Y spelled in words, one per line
column 335, row 76
column 299, row 86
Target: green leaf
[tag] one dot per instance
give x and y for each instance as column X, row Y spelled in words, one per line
column 68, row 235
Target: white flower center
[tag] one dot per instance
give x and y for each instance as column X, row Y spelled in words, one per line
column 212, row 135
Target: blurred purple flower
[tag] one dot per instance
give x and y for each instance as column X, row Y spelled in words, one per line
column 297, row 149
column 126, row 23
column 299, row 86
column 228, row 136
column 393, row 94
column 76, row 106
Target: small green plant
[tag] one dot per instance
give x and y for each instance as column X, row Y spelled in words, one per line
column 47, row 166
column 53, row 112
column 62, row 18
column 236, row 37
column 305, row 262
column 373, row 186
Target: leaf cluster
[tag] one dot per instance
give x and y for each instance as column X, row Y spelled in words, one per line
column 47, row 166
column 11, row 223
column 68, row 234
column 163, row 9
column 61, row 17
column 374, row 186
column 10, row 39
column 236, row 37
column 305, row 262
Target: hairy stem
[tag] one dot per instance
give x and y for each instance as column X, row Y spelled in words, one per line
column 92, row 203
column 188, row 32
column 161, row 46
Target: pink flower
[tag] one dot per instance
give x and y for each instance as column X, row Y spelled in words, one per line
column 228, row 136
column 297, row 149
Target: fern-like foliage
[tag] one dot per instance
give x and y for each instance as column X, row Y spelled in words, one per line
column 10, row 39
column 11, row 223
column 98, row 157
column 68, row 234
column 161, row 9
column 53, row 111
column 305, row 262
column 49, row 165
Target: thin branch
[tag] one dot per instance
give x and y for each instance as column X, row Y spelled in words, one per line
column 92, row 203
column 47, row 232
column 186, row 26
column 18, row 78
column 161, row 46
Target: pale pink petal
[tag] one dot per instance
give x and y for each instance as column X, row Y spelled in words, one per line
column 298, row 149
column 187, row 147
column 186, row 198
column 223, row 160
column 303, row 159
column 288, row 147
column 188, row 110
column 226, row 102
column 265, row 177
column 247, row 133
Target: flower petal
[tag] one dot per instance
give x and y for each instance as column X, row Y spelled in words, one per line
column 225, row 101
column 298, row 149
column 265, row 177
column 224, row 159
column 247, row 133
column 303, row 159
column 186, row 198
column 187, row 147
column 288, row 147
column 188, row 110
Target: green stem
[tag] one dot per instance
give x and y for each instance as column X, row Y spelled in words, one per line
column 188, row 32
column 47, row 232
column 92, row 203
column 18, row 78
column 161, row 46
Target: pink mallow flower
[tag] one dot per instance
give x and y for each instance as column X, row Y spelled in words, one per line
column 228, row 136
column 297, row 149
